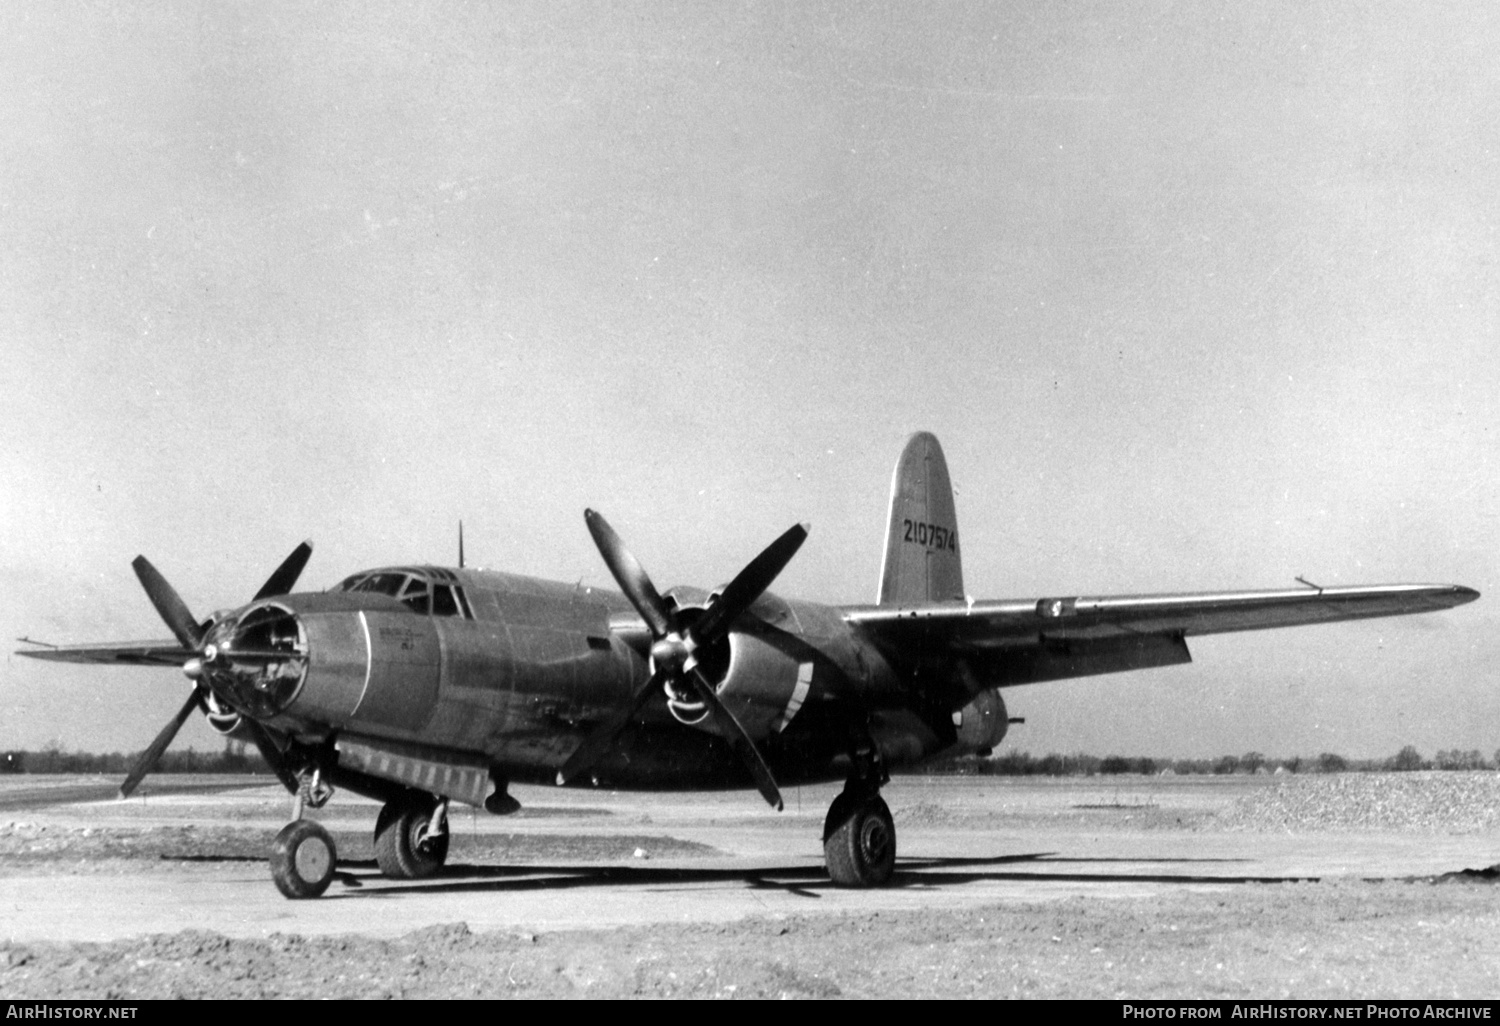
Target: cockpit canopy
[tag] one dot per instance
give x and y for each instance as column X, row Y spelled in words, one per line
column 427, row 590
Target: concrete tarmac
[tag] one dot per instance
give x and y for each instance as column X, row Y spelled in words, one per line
column 963, row 842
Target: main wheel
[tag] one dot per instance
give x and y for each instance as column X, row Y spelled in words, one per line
column 302, row 859
column 859, row 842
column 404, row 849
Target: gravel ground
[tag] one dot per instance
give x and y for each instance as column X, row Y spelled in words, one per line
column 1337, row 938
column 27, row 846
column 1439, row 802
column 1332, row 940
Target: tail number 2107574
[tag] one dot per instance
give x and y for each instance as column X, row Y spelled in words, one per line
column 931, row 535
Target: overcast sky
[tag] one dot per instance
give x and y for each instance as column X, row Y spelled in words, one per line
column 1195, row 296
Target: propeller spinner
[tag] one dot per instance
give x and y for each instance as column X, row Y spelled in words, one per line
column 193, row 636
column 674, row 646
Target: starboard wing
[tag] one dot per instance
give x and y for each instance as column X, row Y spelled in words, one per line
column 167, row 652
column 1022, row 641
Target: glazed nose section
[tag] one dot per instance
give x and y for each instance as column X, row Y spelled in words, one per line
column 257, row 662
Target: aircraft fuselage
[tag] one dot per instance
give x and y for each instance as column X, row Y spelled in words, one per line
column 517, row 670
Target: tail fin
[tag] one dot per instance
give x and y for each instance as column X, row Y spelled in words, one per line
column 921, row 539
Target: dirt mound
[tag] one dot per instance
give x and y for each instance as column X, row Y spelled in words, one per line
column 1327, row 940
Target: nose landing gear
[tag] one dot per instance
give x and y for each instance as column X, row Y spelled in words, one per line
column 302, row 859
column 303, row 856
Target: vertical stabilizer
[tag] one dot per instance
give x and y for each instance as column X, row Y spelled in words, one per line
column 921, row 538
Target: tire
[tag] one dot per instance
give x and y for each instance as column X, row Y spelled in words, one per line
column 402, row 848
column 303, row 859
column 859, row 845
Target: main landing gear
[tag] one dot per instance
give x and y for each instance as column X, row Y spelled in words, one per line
column 411, row 841
column 411, row 837
column 859, row 836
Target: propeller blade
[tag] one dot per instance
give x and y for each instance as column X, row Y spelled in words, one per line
column 748, row 586
column 285, row 578
column 168, row 604
column 587, row 755
column 270, row 751
column 739, row 741
column 630, row 576
column 738, row 596
column 148, row 758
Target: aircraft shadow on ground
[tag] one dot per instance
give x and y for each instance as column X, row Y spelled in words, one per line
column 360, row 879
column 354, row 875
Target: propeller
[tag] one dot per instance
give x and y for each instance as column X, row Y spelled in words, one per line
column 674, row 647
column 148, row 758
column 186, row 628
column 284, row 579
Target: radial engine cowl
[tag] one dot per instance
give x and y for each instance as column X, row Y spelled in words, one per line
column 256, row 662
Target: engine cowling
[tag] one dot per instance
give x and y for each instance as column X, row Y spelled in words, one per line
column 763, row 685
column 981, row 725
column 324, row 660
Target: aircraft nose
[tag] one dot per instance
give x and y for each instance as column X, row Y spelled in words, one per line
column 1462, row 594
column 257, row 661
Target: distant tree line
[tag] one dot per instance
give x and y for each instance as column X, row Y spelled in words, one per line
column 1024, row 764
column 237, row 757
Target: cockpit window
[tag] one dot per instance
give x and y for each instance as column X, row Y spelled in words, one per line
column 415, row 590
column 385, row 584
column 415, row 596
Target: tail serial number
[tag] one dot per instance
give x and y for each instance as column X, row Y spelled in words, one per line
column 931, row 535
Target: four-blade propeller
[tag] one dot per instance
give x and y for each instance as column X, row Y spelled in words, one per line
column 675, row 644
column 180, row 620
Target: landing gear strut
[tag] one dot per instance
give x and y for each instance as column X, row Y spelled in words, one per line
column 411, row 837
column 859, row 836
column 303, row 856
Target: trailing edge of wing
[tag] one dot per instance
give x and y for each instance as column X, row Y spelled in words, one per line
column 999, row 624
column 167, row 652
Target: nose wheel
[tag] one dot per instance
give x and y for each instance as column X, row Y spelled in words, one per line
column 303, row 859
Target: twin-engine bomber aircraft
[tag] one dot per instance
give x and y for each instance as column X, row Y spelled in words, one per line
column 418, row 686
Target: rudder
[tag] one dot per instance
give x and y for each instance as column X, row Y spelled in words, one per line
column 921, row 539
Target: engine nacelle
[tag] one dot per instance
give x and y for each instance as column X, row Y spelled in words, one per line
column 763, row 685
column 330, row 660
column 370, row 667
column 981, row 725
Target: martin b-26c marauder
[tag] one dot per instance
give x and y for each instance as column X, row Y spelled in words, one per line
column 421, row 685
